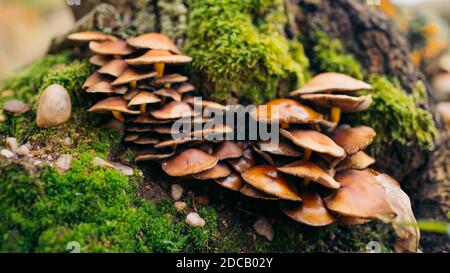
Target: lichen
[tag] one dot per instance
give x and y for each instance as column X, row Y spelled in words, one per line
column 172, row 18
column 238, row 49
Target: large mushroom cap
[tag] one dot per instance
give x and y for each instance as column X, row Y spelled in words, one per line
column 353, row 139
column 347, row 104
column 154, row 41
column 191, row 161
column 233, row 181
column 315, row 141
column 88, row 36
column 279, row 148
column 286, row 111
column 117, row 47
column 331, row 81
column 112, row 104
column 221, row 170
column 159, row 56
column 168, row 93
column 130, row 75
column 113, row 68
column 310, row 171
column 250, row 191
column 144, row 97
column 311, row 211
column 360, row 196
column 170, row 78
column 243, row 163
column 174, row 110
column 267, row 179
column 228, row 149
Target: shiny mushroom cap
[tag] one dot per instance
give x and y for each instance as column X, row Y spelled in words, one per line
column 310, row 171
column 347, row 104
column 311, row 211
column 228, row 149
column 159, row 56
column 88, row 36
column 188, row 162
column 100, row 60
column 250, row 191
column 360, row 195
column 130, row 75
column 168, row 93
column 353, row 139
column 173, row 142
column 243, row 163
column 358, row 161
column 170, row 78
column 107, row 88
column 331, row 81
column 151, row 154
column 113, row 68
column 131, row 94
column 174, row 110
column 286, row 111
column 221, row 170
column 279, row 148
column 267, row 179
column 93, row 79
column 185, row 88
column 144, row 97
column 117, row 47
column 112, row 104
column 154, row 41
column 315, row 141
column 233, row 181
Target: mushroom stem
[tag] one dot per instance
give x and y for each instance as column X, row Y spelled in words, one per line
column 159, row 68
column 285, row 125
column 142, row 108
column 307, row 155
column 167, row 85
column 118, row 116
column 335, row 114
column 133, row 84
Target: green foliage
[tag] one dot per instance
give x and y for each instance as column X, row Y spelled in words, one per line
column 238, row 47
column 396, row 117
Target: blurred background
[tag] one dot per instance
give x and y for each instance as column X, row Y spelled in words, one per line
column 27, row 27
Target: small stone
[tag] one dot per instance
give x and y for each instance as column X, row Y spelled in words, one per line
column 55, row 107
column 180, row 206
column 2, row 118
column 11, row 143
column 263, row 228
column 125, row 170
column 7, row 153
column 64, row 163
column 67, row 142
column 28, row 145
column 37, row 163
column 23, row 151
column 194, row 220
column 16, row 107
column 50, row 157
column 177, row 192
column 97, row 161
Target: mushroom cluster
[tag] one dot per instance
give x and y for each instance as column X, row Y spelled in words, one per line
column 317, row 173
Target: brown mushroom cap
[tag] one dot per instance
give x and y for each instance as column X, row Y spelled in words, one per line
column 147, row 119
column 113, row 68
column 310, row 171
column 352, row 221
column 311, row 211
column 286, row 111
column 149, row 154
column 347, row 104
column 228, row 149
column 170, row 78
column 331, row 81
column 174, row 110
column 267, row 179
column 106, row 87
column 281, row 148
column 233, row 181
column 112, row 104
column 131, row 94
column 358, row 161
column 144, row 97
column 154, row 41
column 146, row 140
column 206, row 104
column 353, row 139
column 88, row 36
column 250, row 191
column 16, row 107
column 93, row 79
column 159, row 56
column 168, row 93
column 131, row 137
column 315, row 141
column 140, row 128
column 185, row 88
column 243, row 163
column 360, row 195
column 172, row 142
column 100, row 60
column 130, row 75
column 221, row 170
column 117, row 47
column 188, row 162
column 444, row 109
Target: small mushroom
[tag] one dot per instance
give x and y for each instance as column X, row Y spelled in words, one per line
column 116, row 105
column 148, row 119
column 88, row 36
column 131, row 93
column 353, row 139
column 250, row 191
column 221, row 170
column 185, row 88
column 154, row 40
column 149, row 154
column 142, row 99
column 94, row 78
column 170, row 79
column 310, row 171
column 311, row 211
column 146, row 140
column 173, row 142
column 99, row 60
column 279, row 148
column 358, row 161
column 131, row 137
column 115, row 48
column 243, row 163
column 188, row 162
column 159, row 58
column 107, row 88
column 168, row 93
column 267, row 179
column 174, row 110
column 113, row 68
column 211, row 105
column 346, row 104
column 228, row 149
column 132, row 76
column 233, row 181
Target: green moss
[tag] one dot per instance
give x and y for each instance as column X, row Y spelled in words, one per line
column 396, row 116
column 238, row 47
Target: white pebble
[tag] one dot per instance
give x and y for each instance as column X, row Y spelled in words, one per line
column 11, row 143
column 194, row 220
column 23, row 151
column 7, row 153
column 177, row 192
